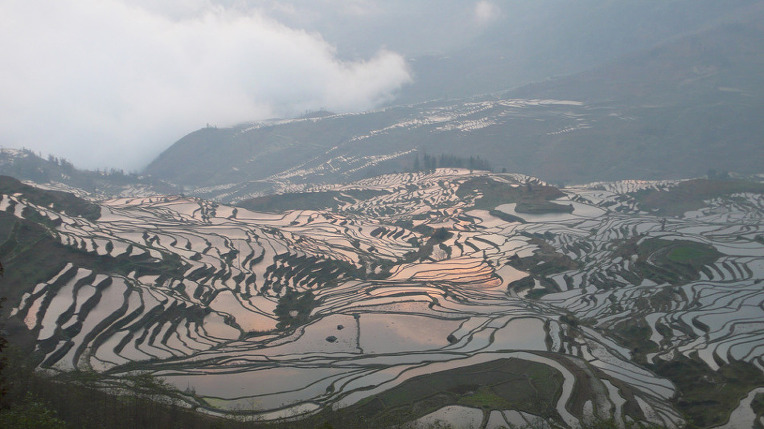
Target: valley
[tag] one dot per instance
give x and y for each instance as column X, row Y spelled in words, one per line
column 380, row 304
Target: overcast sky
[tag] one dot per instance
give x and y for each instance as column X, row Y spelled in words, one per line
column 111, row 83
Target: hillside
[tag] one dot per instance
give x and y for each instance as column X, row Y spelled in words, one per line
column 60, row 174
column 408, row 297
column 676, row 110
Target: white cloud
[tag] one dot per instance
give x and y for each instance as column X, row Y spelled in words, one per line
column 106, row 83
column 485, row 11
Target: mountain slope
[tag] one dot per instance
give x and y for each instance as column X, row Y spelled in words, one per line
column 680, row 108
column 677, row 110
column 235, row 163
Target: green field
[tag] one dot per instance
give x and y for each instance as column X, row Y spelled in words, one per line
column 675, row 262
column 501, row 384
column 691, row 194
column 530, row 197
column 690, row 254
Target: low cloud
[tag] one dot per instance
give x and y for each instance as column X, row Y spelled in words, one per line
column 108, row 84
column 486, row 11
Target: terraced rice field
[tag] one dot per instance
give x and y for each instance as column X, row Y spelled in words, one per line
column 281, row 315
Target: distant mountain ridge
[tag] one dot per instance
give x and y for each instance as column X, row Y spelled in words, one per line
column 687, row 106
column 535, row 40
column 676, row 110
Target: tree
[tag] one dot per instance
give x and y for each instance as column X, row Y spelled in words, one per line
column 31, row 414
column 441, row 234
column 3, row 359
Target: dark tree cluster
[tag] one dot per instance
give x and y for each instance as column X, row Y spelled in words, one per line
column 431, row 162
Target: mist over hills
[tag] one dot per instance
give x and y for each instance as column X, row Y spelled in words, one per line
column 675, row 110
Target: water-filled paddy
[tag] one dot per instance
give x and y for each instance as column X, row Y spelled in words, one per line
column 395, row 333
column 384, row 303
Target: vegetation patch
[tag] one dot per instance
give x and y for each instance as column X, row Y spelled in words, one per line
column 430, row 163
column 506, row 217
column 542, row 207
column 707, row 397
column 77, row 399
column 293, row 308
column 60, row 201
column 690, row 195
column 308, row 200
column 690, row 254
column 635, row 334
column 673, row 261
column 522, row 284
column 757, row 405
column 306, row 271
column 532, row 197
column 545, row 261
column 501, row 384
column 437, row 237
